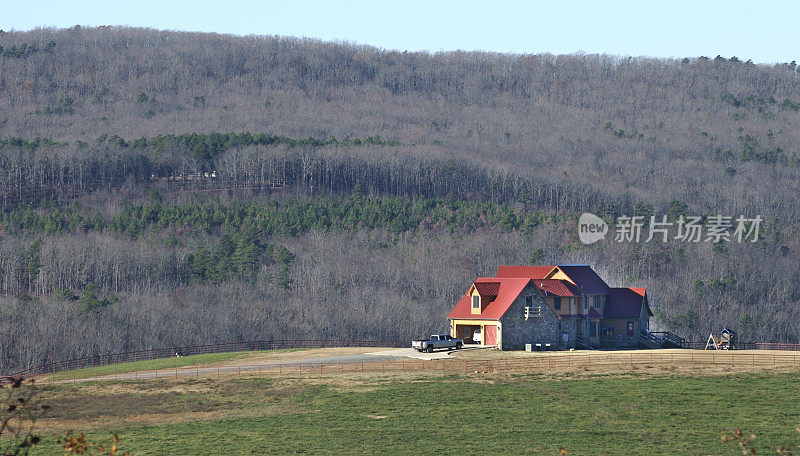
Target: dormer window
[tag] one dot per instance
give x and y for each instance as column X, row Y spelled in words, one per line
column 476, row 303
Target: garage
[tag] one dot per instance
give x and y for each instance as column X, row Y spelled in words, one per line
column 487, row 333
column 467, row 332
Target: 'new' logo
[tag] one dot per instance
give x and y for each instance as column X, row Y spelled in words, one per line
column 591, row 228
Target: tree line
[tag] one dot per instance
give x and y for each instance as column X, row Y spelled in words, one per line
column 312, row 189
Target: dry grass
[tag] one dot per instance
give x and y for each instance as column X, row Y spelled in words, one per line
column 267, row 357
column 483, row 365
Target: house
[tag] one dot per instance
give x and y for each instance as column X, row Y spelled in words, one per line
column 564, row 306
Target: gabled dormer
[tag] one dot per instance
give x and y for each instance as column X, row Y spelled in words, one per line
column 482, row 294
column 562, row 295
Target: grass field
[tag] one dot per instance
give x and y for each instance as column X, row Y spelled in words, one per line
column 165, row 363
column 423, row 414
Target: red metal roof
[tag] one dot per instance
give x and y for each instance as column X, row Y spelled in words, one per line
column 625, row 302
column 511, row 280
column 509, row 289
column 487, row 288
column 530, row 272
column 557, row 287
column 638, row 290
column 584, row 276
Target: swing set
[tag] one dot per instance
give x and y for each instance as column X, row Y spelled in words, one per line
column 725, row 341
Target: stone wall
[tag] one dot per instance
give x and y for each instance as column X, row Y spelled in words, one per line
column 515, row 331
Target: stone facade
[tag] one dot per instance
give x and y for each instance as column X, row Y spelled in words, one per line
column 514, row 331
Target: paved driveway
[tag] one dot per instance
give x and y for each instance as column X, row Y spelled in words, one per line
column 411, row 353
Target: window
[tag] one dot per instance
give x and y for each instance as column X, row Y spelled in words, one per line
column 476, row 302
column 559, row 326
column 528, row 301
column 585, row 303
column 598, row 302
column 607, row 331
column 557, row 303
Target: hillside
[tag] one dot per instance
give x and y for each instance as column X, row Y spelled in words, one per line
column 165, row 188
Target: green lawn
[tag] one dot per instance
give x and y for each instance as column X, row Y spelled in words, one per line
column 165, row 363
column 610, row 415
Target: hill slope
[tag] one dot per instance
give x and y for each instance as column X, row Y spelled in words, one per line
column 124, row 225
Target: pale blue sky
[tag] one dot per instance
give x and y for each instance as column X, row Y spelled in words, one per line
column 764, row 31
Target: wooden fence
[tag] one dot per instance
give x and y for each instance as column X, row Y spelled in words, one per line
column 161, row 353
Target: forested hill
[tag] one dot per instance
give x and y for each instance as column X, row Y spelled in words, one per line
column 199, row 142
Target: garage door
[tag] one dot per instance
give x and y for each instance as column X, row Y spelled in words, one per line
column 491, row 335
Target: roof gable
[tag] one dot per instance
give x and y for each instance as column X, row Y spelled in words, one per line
column 584, row 277
column 626, row 303
column 508, row 290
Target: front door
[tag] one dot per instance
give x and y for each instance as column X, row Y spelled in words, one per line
column 491, row 335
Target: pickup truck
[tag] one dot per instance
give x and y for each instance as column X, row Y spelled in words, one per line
column 437, row 341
